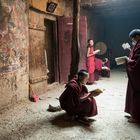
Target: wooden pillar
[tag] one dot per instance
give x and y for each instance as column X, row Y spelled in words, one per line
column 75, row 55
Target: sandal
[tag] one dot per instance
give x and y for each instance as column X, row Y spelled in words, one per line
column 131, row 120
column 84, row 121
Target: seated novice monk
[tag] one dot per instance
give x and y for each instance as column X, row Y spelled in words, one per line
column 76, row 100
column 105, row 72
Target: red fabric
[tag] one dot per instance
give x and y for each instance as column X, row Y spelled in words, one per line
column 98, row 64
column 106, row 72
column 98, row 68
column 107, row 64
column 97, row 75
column 70, row 100
column 91, row 62
column 91, row 78
column 35, row 98
column 132, row 105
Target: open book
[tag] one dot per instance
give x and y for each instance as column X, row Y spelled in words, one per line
column 96, row 92
column 120, row 60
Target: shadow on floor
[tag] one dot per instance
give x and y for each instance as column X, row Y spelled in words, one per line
column 29, row 129
column 63, row 121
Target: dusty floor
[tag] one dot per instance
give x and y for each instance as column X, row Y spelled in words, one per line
column 32, row 121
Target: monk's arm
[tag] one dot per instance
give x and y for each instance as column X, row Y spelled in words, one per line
column 92, row 93
column 92, row 54
column 135, row 60
column 85, row 97
column 88, row 52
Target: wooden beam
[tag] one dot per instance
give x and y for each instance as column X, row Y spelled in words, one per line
column 75, row 55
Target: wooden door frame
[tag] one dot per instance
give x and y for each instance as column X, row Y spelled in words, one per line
column 56, row 59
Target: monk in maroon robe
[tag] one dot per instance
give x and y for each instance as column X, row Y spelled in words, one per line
column 98, row 68
column 105, row 72
column 133, row 71
column 76, row 100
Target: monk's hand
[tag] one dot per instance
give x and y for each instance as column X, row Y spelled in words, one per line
column 127, row 58
column 95, row 92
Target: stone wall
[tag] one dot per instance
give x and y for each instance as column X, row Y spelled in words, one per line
column 13, row 52
column 15, row 32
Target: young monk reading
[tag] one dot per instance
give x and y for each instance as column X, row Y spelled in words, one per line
column 76, row 100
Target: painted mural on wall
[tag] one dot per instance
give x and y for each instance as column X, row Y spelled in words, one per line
column 13, row 42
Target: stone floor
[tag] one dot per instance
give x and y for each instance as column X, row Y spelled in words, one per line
column 32, row 121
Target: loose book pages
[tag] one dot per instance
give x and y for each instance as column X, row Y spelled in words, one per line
column 126, row 46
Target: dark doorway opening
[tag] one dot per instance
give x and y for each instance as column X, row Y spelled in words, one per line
column 51, row 51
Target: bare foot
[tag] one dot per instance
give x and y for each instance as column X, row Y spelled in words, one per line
column 91, row 120
column 131, row 120
column 84, row 121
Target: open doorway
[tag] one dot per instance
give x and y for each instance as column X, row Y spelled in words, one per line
column 51, row 50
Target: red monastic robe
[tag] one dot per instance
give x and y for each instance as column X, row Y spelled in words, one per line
column 91, row 66
column 133, row 89
column 70, row 100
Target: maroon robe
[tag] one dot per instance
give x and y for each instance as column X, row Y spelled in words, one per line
column 106, row 72
column 91, row 65
column 70, row 100
column 98, row 68
column 132, row 105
